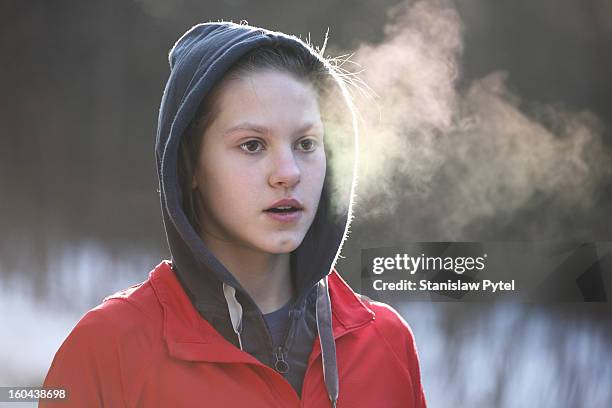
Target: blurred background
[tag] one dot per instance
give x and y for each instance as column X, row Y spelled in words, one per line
column 491, row 122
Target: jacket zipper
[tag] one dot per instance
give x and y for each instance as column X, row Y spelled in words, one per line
column 280, row 364
column 279, row 353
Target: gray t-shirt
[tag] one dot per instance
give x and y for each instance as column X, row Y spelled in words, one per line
column 278, row 323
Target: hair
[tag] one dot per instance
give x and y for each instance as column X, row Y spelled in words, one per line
column 298, row 62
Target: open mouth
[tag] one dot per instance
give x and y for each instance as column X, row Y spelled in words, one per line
column 283, row 210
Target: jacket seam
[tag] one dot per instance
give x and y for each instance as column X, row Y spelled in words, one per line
column 133, row 304
column 397, row 357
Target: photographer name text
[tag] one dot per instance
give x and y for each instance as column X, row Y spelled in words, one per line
column 448, row 286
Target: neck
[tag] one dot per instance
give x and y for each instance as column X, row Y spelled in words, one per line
column 265, row 276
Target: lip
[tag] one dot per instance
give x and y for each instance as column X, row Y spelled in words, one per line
column 289, row 217
column 287, row 202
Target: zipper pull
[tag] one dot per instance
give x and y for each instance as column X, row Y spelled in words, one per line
column 280, row 364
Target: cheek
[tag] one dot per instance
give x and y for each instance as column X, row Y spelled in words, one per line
column 315, row 170
column 228, row 185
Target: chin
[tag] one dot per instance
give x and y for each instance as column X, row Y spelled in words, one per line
column 283, row 245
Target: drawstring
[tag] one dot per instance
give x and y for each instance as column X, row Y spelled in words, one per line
column 328, row 344
column 235, row 310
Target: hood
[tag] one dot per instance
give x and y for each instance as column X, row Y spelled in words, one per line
column 198, row 61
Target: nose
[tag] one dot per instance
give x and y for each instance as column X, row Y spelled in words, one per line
column 285, row 169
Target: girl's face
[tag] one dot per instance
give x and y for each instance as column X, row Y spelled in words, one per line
column 264, row 145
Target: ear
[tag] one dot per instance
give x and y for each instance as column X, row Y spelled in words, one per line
column 194, row 182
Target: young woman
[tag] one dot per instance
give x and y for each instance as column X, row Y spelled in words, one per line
column 250, row 311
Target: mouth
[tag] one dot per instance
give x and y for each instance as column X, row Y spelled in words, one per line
column 285, row 206
column 283, row 210
column 286, row 211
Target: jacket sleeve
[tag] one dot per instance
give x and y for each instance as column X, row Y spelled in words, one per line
column 87, row 366
column 401, row 339
column 415, row 369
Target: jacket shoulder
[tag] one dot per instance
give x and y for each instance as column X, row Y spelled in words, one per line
column 120, row 316
column 133, row 316
column 136, row 302
column 394, row 329
column 387, row 319
column 106, row 347
column 384, row 312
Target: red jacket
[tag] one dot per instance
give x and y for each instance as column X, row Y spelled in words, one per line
column 147, row 346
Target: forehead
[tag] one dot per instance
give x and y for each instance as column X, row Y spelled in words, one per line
column 274, row 99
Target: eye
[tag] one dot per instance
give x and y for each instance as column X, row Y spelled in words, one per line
column 251, row 146
column 307, row 145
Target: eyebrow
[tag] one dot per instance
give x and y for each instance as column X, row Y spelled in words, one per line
column 264, row 130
